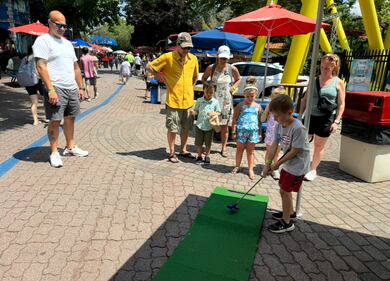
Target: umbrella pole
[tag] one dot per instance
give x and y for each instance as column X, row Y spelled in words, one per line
column 311, row 85
column 266, row 66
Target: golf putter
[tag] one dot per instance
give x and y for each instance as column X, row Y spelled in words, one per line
column 234, row 207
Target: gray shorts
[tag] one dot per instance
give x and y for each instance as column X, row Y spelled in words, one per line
column 178, row 119
column 90, row 81
column 68, row 104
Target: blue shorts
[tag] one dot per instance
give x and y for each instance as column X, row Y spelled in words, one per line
column 245, row 136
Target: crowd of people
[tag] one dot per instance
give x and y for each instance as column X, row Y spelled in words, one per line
column 63, row 81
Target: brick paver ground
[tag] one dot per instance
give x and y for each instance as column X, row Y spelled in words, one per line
column 119, row 213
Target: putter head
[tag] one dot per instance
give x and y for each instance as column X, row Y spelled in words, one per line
column 233, row 208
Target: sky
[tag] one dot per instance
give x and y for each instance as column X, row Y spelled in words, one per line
column 356, row 9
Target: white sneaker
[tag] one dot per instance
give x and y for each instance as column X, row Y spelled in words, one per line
column 310, row 176
column 55, row 160
column 275, row 175
column 75, row 151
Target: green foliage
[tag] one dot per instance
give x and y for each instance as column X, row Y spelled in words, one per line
column 121, row 32
column 80, row 14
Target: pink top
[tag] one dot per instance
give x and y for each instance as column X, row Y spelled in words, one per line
column 88, row 62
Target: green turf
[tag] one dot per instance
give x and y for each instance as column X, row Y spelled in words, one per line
column 220, row 246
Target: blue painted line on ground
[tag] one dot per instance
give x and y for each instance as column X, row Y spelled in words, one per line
column 10, row 163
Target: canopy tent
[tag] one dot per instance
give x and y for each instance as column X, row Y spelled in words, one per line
column 80, row 43
column 120, row 52
column 35, row 29
column 212, row 39
column 103, row 40
column 97, row 47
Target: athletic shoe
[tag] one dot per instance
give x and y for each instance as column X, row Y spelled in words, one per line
column 279, row 216
column 275, row 175
column 199, row 160
column 96, row 96
column 55, row 160
column 281, row 227
column 310, row 176
column 207, row 160
column 88, row 99
column 75, row 151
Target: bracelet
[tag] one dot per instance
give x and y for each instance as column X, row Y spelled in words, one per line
column 268, row 162
column 234, row 133
column 82, row 89
column 51, row 91
column 337, row 122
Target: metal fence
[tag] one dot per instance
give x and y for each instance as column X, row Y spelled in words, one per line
column 381, row 70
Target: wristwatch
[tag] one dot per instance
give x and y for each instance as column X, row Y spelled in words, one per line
column 337, row 122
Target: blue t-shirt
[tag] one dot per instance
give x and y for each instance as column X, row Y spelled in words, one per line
column 203, row 107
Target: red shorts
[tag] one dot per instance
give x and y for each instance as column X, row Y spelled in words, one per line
column 289, row 182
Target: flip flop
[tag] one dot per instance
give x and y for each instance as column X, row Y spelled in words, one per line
column 173, row 159
column 187, row 155
column 236, row 170
column 224, row 153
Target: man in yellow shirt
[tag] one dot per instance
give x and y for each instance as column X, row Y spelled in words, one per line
column 180, row 70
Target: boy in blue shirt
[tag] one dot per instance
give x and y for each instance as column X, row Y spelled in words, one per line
column 205, row 107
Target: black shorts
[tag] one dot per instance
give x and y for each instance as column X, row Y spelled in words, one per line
column 320, row 125
column 38, row 88
column 137, row 66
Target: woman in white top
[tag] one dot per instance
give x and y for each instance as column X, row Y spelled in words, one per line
column 227, row 78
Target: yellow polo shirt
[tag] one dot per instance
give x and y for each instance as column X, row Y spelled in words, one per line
column 178, row 78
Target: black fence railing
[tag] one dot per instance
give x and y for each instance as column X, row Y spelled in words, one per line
column 381, row 70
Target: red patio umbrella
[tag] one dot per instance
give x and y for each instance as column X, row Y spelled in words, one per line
column 35, row 29
column 271, row 20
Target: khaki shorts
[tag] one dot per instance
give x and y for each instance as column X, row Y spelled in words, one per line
column 203, row 137
column 178, row 119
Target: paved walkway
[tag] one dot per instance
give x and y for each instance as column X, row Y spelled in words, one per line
column 119, row 213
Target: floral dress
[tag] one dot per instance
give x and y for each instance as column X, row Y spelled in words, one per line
column 248, row 124
column 223, row 80
column 270, row 133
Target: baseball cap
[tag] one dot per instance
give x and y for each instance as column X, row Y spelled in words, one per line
column 184, row 40
column 224, row 52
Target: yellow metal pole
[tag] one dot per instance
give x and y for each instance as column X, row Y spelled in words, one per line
column 324, row 42
column 340, row 29
column 387, row 38
column 371, row 24
column 261, row 41
column 297, row 53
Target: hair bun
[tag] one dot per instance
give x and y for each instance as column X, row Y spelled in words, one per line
column 251, row 81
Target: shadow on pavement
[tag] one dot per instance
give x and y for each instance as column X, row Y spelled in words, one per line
column 311, row 252
column 14, row 109
column 331, row 170
column 34, row 154
column 157, row 154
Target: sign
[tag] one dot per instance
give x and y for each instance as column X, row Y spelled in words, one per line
column 361, row 73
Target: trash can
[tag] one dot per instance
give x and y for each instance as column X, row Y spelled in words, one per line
column 154, row 91
column 162, row 93
column 365, row 136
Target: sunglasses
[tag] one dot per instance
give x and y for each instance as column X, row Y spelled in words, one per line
column 330, row 58
column 60, row 25
column 186, row 48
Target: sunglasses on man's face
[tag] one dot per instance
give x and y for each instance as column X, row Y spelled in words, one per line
column 186, row 48
column 60, row 25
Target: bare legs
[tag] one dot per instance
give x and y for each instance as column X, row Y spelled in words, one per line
column 319, row 150
column 53, row 132
column 224, row 139
column 34, row 108
column 171, row 137
column 250, row 148
column 287, row 205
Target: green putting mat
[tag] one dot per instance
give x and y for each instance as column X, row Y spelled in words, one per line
column 220, row 246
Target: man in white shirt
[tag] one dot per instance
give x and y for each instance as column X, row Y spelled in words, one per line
column 58, row 68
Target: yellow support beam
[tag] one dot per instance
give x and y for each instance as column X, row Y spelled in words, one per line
column 298, row 50
column 261, row 41
column 324, row 42
column 371, row 24
column 340, row 29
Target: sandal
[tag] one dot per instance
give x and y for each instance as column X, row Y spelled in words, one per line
column 236, row 170
column 187, row 155
column 173, row 158
column 251, row 175
column 224, row 153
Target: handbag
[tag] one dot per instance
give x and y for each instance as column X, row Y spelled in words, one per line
column 214, row 122
column 324, row 104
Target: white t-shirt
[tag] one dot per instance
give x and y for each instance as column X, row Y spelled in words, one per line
column 137, row 60
column 125, row 67
column 61, row 57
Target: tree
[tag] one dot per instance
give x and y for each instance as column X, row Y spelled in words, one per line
column 121, row 32
column 81, row 15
